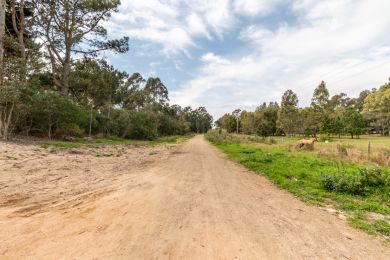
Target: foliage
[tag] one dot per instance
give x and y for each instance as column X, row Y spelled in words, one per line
column 72, row 27
column 337, row 115
column 51, row 113
column 219, row 136
column 354, row 123
column 376, row 108
column 360, row 182
column 288, row 112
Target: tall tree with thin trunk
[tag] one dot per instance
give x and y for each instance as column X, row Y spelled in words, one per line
column 2, row 38
column 74, row 27
column 19, row 26
column 288, row 112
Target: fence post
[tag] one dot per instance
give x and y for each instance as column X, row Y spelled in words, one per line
column 369, row 150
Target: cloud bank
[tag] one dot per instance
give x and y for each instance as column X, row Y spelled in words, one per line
column 344, row 42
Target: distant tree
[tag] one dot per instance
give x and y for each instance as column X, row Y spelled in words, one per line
column 203, row 120
column 339, row 101
column 227, row 122
column 236, row 113
column 264, row 130
column 75, row 27
column 320, row 99
column 377, row 108
column 288, row 112
column 320, row 106
column 358, row 102
column 95, row 82
column 247, row 122
column 307, row 121
column 266, row 117
column 333, row 125
column 354, row 123
column 2, row 38
column 156, row 90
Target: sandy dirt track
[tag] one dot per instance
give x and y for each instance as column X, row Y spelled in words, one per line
column 169, row 202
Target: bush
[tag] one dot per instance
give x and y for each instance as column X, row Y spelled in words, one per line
column 69, row 129
column 143, row 126
column 219, row 136
column 358, row 183
column 49, row 112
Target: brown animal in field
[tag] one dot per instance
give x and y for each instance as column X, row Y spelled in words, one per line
column 301, row 143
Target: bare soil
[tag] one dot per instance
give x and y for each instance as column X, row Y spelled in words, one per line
column 168, row 202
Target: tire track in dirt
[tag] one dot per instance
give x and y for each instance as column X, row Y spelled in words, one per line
column 191, row 204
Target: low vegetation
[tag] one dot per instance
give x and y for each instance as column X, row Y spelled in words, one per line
column 80, row 142
column 361, row 192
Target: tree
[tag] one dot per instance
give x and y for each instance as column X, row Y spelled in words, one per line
column 270, row 117
column 227, row 122
column 358, row 102
column 51, row 112
column 307, row 121
column 320, row 99
column 333, row 125
column 75, row 27
column 96, row 82
column 248, row 124
column 156, row 91
column 203, row 120
column 2, row 39
column 236, row 113
column 288, row 112
column 264, row 130
column 377, row 108
column 354, row 123
column 320, row 106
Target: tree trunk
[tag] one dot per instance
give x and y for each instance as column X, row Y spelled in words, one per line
column 2, row 36
column 19, row 28
column 65, row 79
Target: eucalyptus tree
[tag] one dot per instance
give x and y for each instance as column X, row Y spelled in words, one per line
column 288, row 112
column 75, row 27
column 377, row 108
column 2, row 38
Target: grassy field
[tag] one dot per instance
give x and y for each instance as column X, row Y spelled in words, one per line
column 79, row 142
column 373, row 150
column 360, row 192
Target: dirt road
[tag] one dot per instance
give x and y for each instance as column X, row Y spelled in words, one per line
column 189, row 202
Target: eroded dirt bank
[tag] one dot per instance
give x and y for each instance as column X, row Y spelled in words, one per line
column 167, row 202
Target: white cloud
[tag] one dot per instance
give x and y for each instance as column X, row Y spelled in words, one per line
column 254, row 7
column 172, row 24
column 346, row 43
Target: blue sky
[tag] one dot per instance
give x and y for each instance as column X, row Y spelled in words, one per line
column 227, row 54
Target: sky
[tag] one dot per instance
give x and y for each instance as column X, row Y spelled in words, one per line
column 228, row 54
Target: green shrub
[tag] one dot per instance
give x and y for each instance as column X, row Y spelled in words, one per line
column 219, row 136
column 359, row 183
column 69, row 129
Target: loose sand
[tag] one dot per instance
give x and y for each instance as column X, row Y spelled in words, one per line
column 167, row 202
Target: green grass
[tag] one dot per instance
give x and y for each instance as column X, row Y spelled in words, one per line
column 356, row 149
column 79, row 142
column 300, row 173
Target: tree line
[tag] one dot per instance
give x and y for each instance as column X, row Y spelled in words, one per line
column 369, row 113
column 53, row 83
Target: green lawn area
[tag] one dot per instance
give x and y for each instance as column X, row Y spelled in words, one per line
column 79, row 142
column 301, row 173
